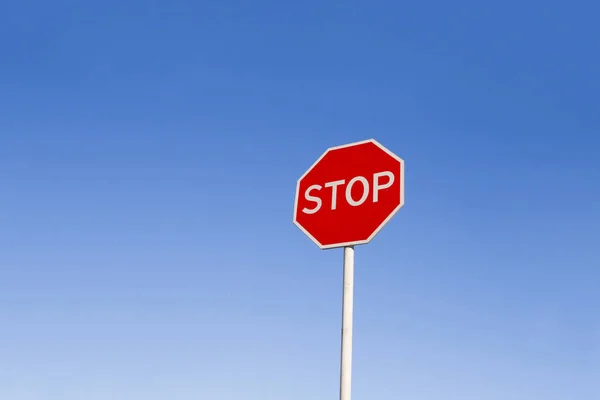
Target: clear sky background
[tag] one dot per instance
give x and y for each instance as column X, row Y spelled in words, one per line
column 149, row 152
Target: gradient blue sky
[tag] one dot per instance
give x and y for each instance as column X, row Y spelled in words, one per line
column 148, row 157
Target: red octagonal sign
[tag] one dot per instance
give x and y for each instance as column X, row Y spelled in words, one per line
column 349, row 194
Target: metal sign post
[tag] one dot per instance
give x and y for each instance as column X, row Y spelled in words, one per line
column 347, row 317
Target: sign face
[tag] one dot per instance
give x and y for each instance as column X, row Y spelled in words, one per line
column 349, row 194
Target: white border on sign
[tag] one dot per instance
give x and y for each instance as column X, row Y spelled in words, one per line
column 376, row 231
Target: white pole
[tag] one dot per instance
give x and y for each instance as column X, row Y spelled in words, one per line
column 347, row 310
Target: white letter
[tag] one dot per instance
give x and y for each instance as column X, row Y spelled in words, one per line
column 333, row 186
column 349, row 198
column 308, row 197
column 377, row 187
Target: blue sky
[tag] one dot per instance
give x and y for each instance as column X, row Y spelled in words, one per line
column 148, row 157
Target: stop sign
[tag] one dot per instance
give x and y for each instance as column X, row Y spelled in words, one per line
column 349, row 194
